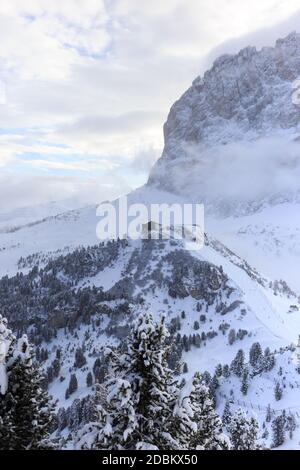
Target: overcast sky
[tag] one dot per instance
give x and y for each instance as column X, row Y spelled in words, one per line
column 86, row 85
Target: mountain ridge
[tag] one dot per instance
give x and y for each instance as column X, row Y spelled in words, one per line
column 243, row 105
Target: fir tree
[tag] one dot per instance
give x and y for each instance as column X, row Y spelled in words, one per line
column 213, row 386
column 209, row 435
column 243, row 431
column 73, row 384
column 227, row 416
column 143, row 406
column 89, row 379
column 268, row 360
column 80, row 359
column 97, row 433
column 290, row 425
column 7, row 401
column 122, row 412
column 269, row 414
column 30, row 409
column 238, row 363
column 278, row 392
column 219, row 370
column 256, row 358
column 231, row 336
column 183, row 422
column 278, row 431
column 245, row 382
column 226, row 371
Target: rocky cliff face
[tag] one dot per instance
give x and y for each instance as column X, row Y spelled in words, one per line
column 242, row 98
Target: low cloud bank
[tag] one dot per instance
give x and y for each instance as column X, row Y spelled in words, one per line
column 237, row 172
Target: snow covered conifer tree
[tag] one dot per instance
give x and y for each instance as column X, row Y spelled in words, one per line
column 238, row 363
column 269, row 414
column 122, row 412
column 278, row 392
column 89, row 379
column 183, row 424
column 243, row 431
column 278, row 430
column 245, row 382
column 226, row 371
column 73, row 385
column 145, row 365
column 6, row 341
column 209, row 434
column 291, row 425
column 7, row 431
column 96, row 434
column 25, row 409
column 143, row 408
column 226, row 418
column 256, row 358
column 30, row 408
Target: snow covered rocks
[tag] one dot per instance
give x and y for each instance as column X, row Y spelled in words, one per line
column 239, row 115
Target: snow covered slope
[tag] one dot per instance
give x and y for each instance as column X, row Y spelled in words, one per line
column 268, row 239
column 214, row 302
column 232, row 142
column 13, row 219
column 50, row 235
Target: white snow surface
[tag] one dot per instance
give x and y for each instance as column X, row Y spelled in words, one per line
column 263, row 232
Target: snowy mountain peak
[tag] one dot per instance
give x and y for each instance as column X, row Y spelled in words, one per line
column 245, row 104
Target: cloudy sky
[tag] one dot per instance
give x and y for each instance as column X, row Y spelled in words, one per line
column 86, row 85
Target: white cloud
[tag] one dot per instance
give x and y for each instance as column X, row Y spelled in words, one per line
column 41, row 39
column 27, row 190
column 238, row 171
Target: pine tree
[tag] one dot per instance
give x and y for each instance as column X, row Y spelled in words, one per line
column 122, row 412
column 6, row 342
column 96, row 434
column 183, row 422
column 144, row 408
column 80, row 359
column 219, row 370
column 7, row 401
column 269, row 414
column 213, row 386
column 28, row 412
column 238, row 363
column 33, row 412
column 268, row 360
column 256, row 358
column 278, row 431
column 73, row 384
column 243, row 431
column 245, row 382
column 209, row 435
column 89, row 379
column 291, row 425
column 226, row 371
column 227, row 416
column 231, row 336
column 278, row 392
